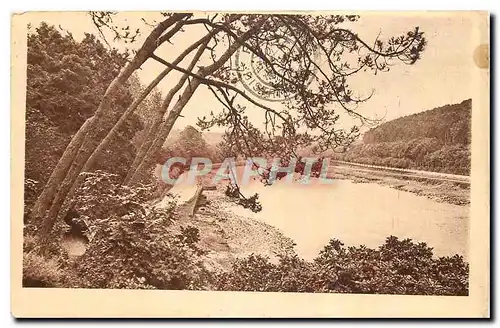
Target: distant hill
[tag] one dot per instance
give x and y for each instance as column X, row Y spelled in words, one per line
column 449, row 124
column 212, row 138
column 436, row 140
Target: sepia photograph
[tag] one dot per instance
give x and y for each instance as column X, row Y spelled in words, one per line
column 301, row 154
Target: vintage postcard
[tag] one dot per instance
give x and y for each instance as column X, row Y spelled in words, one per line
column 250, row 164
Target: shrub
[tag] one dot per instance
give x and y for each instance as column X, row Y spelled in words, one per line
column 133, row 252
column 452, row 274
column 101, row 195
column 396, row 267
column 132, row 244
column 257, row 273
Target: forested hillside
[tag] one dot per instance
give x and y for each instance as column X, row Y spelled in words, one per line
column 435, row 140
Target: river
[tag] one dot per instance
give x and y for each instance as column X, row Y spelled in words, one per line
column 358, row 214
column 355, row 213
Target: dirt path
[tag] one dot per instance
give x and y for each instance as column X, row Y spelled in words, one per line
column 440, row 190
column 403, row 173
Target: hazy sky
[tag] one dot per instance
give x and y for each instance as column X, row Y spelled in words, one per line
column 442, row 76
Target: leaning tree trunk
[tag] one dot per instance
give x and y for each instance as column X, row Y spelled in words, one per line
column 166, row 103
column 165, row 128
column 126, row 115
column 64, row 174
column 156, row 124
column 44, row 199
column 153, row 130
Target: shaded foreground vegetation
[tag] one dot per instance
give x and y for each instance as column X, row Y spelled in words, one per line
column 133, row 245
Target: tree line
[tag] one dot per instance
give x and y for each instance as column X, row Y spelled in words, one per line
column 435, row 140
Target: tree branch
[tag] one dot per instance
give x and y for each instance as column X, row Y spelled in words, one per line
column 218, row 84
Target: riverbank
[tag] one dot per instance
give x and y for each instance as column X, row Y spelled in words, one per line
column 226, row 236
column 228, row 232
column 450, row 191
column 455, row 193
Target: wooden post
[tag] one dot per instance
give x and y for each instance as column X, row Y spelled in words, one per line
column 196, row 200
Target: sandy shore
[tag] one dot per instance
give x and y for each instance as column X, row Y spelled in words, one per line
column 226, row 236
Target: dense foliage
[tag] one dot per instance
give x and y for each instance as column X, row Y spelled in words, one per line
column 396, row 267
column 449, row 124
column 131, row 244
column 66, row 80
column 434, row 140
column 123, row 256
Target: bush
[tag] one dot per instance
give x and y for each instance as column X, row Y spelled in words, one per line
column 132, row 244
column 396, row 267
column 102, row 195
column 134, row 252
column 257, row 273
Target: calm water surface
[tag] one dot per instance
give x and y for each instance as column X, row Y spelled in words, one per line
column 357, row 214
